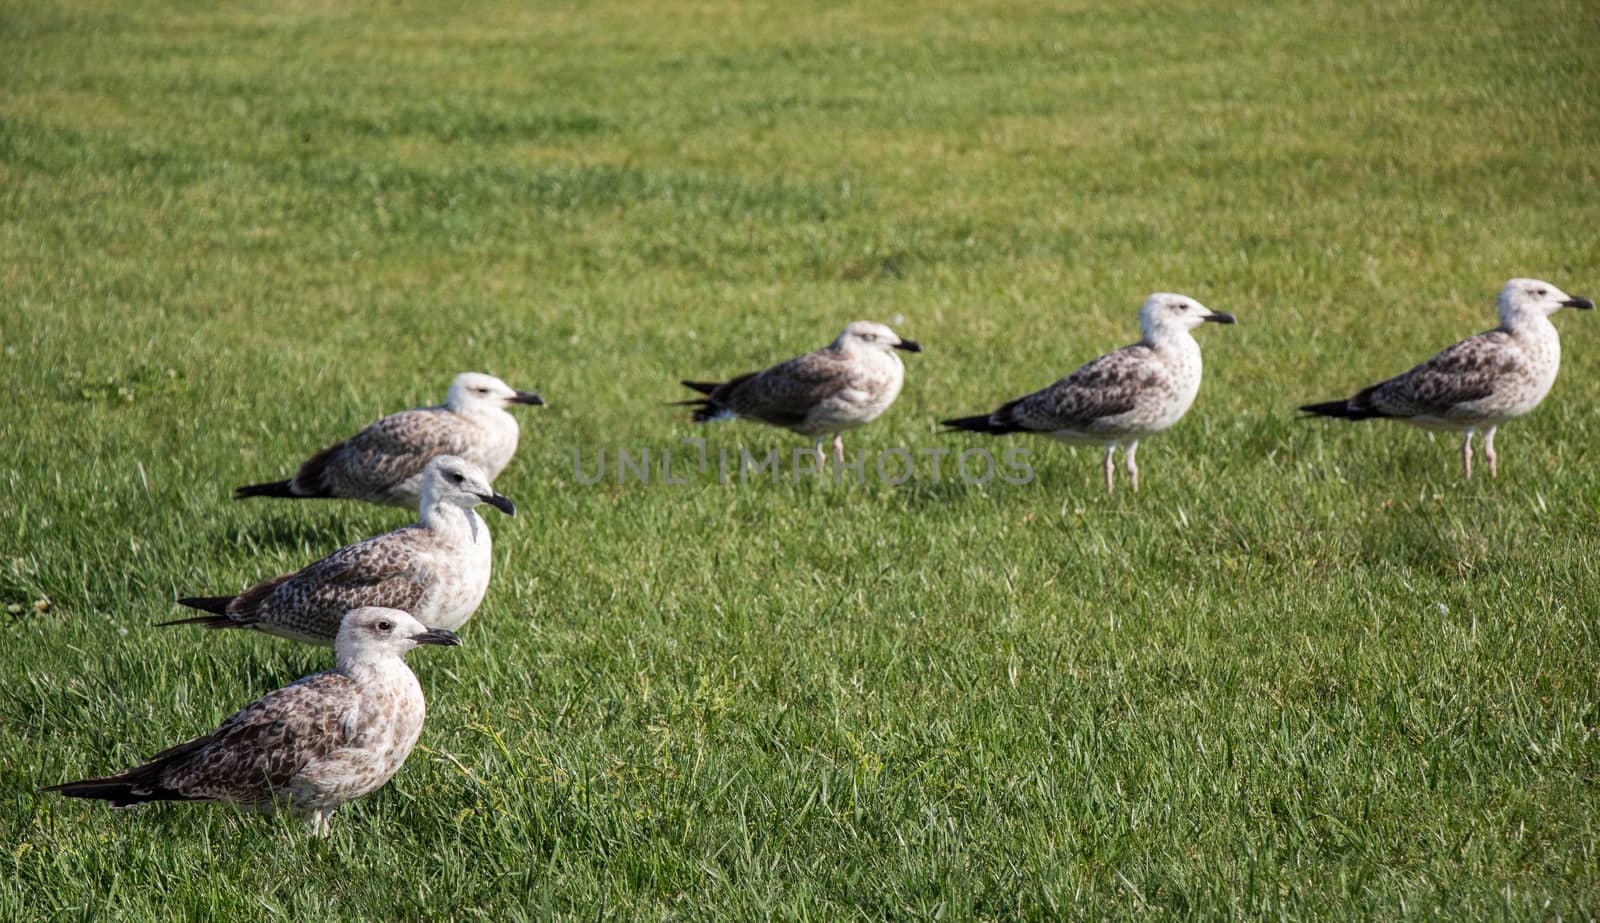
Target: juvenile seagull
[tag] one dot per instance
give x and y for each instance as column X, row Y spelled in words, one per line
column 1480, row 382
column 436, row 569
column 383, row 463
column 820, row 394
column 1121, row 397
column 316, row 743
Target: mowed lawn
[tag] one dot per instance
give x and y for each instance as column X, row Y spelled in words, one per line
column 1307, row 672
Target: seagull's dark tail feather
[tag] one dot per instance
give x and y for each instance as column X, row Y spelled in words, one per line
column 705, row 410
column 999, row 423
column 309, row 483
column 270, row 489
column 229, row 611
column 982, row 423
column 992, row 423
column 1348, row 409
column 216, row 605
column 136, row 786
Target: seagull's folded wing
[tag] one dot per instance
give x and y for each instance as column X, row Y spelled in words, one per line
column 259, row 750
column 388, row 570
column 385, row 570
column 388, row 452
column 1460, row 374
column 784, row 394
column 1106, row 387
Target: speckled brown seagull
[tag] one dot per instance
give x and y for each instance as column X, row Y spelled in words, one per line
column 323, row 740
column 1121, row 397
column 383, row 463
column 1480, row 382
column 846, row 384
column 436, row 569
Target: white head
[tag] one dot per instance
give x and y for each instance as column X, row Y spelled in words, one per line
column 375, row 633
column 458, row 482
column 865, row 335
column 476, row 392
column 1164, row 313
column 1525, row 298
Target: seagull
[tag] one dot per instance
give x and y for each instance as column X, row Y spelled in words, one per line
column 316, row 743
column 383, row 463
column 1480, row 382
column 1121, row 397
column 437, row 569
column 846, row 384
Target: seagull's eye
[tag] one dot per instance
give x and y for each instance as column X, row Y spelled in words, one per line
column 1542, row 292
column 386, row 625
column 456, row 478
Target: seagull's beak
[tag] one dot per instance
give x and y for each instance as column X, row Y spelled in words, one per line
column 438, row 636
column 500, row 502
column 1219, row 317
column 909, row 346
column 527, row 397
column 1582, row 304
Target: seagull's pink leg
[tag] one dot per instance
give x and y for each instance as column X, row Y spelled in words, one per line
column 1488, row 452
column 1133, row 469
column 838, row 449
column 1466, row 453
column 1111, row 466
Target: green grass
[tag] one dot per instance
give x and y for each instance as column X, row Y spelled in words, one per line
column 1308, row 672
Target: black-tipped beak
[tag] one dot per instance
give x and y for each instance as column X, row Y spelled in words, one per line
column 500, row 502
column 438, row 636
column 1582, row 304
column 1220, row 317
column 527, row 397
column 909, row 346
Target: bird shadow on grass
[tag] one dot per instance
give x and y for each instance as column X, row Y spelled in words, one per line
column 1420, row 539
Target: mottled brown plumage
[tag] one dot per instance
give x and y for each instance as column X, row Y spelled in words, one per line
column 1479, row 383
column 437, row 569
column 1121, row 397
column 1092, row 397
column 384, row 462
column 847, row 384
column 1451, row 385
column 310, row 746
